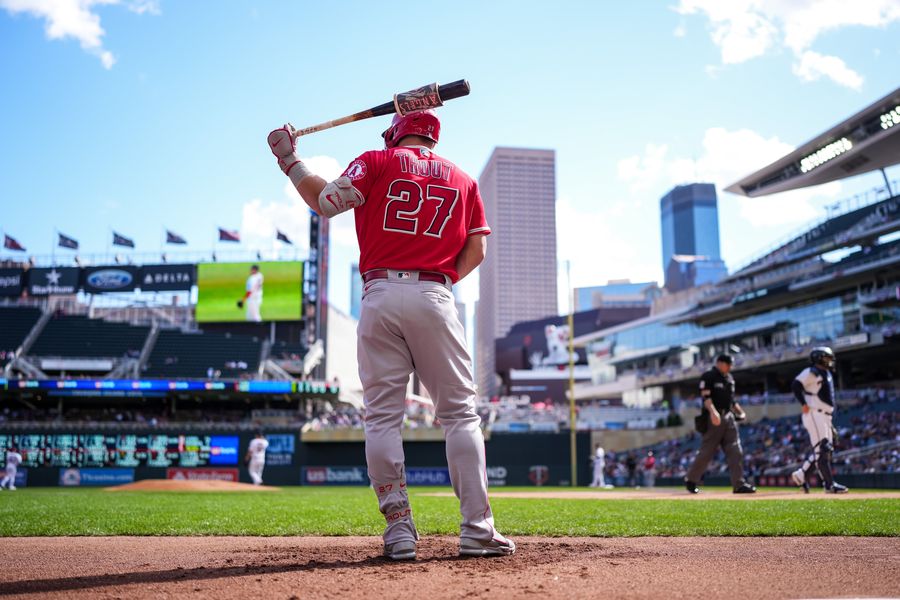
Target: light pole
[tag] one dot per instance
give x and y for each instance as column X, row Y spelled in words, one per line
column 573, row 429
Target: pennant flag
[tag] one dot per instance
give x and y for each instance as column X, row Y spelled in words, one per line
column 12, row 244
column 174, row 238
column 283, row 238
column 67, row 242
column 121, row 240
column 229, row 236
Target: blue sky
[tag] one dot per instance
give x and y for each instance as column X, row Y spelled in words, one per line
column 140, row 115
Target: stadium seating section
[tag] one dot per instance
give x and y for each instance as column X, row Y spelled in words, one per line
column 285, row 351
column 15, row 323
column 866, row 217
column 178, row 354
column 81, row 337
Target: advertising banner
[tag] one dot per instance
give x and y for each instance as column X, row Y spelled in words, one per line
column 100, row 280
column 166, row 278
column 334, row 476
column 497, row 475
column 280, row 452
column 79, row 477
column 202, row 474
column 276, row 291
column 54, row 280
column 427, row 476
column 11, row 282
column 223, row 450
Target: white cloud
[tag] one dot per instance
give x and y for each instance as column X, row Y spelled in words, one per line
column 641, row 172
column 739, row 30
column 813, row 66
column 747, row 29
column 290, row 215
column 727, row 156
column 76, row 19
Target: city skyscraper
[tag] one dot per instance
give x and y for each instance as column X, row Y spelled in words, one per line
column 518, row 276
column 689, row 215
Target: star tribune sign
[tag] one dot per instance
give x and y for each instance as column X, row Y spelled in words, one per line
column 44, row 282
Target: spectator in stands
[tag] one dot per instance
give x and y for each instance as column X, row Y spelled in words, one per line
column 631, row 465
column 650, row 469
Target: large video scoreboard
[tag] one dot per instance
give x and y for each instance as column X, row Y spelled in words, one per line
column 122, row 450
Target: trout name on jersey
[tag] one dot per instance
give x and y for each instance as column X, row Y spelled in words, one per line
column 424, row 167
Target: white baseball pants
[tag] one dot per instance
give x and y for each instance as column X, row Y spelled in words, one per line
column 405, row 326
column 252, row 307
column 818, row 424
column 598, row 475
column 255, row 468
column 10, row 478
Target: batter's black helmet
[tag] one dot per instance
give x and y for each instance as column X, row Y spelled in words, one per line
column 822, row 356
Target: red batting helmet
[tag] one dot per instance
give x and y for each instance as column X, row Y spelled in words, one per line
column 422, row 122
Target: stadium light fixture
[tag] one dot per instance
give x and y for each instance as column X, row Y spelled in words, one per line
column 891, row 118
column 825, row 154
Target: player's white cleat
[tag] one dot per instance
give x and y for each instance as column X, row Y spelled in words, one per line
column 405, row 550
column 837, row 489
column 499, row 546
column 12, row 487
column 798, row 477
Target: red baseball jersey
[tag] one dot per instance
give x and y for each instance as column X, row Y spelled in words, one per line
column 419, row 210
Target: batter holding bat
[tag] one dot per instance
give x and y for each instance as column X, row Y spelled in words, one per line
column 421, row 228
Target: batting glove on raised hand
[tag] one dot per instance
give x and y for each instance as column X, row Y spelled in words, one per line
column 281, row 142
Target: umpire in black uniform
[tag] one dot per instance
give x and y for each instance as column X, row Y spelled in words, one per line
column 718, row 424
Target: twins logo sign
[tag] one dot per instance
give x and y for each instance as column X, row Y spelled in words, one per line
column 539, row 474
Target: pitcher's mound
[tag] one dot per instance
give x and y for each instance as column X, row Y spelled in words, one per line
column 184, row 485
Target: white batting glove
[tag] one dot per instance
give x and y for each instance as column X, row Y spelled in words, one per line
column 281, row 142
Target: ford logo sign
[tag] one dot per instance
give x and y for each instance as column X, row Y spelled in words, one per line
column 109, row 279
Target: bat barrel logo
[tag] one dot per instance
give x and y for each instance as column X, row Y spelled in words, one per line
column 421, row 98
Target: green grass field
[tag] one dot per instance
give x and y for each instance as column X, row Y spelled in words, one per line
column 353, row 511
column 221, row 285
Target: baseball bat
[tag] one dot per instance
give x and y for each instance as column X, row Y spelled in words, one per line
column 427, row 96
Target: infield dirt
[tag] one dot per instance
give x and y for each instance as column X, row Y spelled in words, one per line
column 351, row 568
column 192, row 485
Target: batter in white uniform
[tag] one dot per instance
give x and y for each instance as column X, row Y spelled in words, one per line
column 13, row 460
column 814, row 389
column 256, row 458
column 253, row 297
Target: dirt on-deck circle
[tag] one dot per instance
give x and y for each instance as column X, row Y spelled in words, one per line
column 189, row 485
column 351, row 568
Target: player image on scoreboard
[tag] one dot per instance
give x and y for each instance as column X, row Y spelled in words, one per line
column 251, row 292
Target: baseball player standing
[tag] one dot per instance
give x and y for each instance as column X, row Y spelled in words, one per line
column 814, row 390
column 599, row 465
column 421, row 228
column 256, row 457
column 13, row 460
column 253, row 297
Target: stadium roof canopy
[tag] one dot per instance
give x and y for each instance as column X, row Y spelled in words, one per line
column 868, row 140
